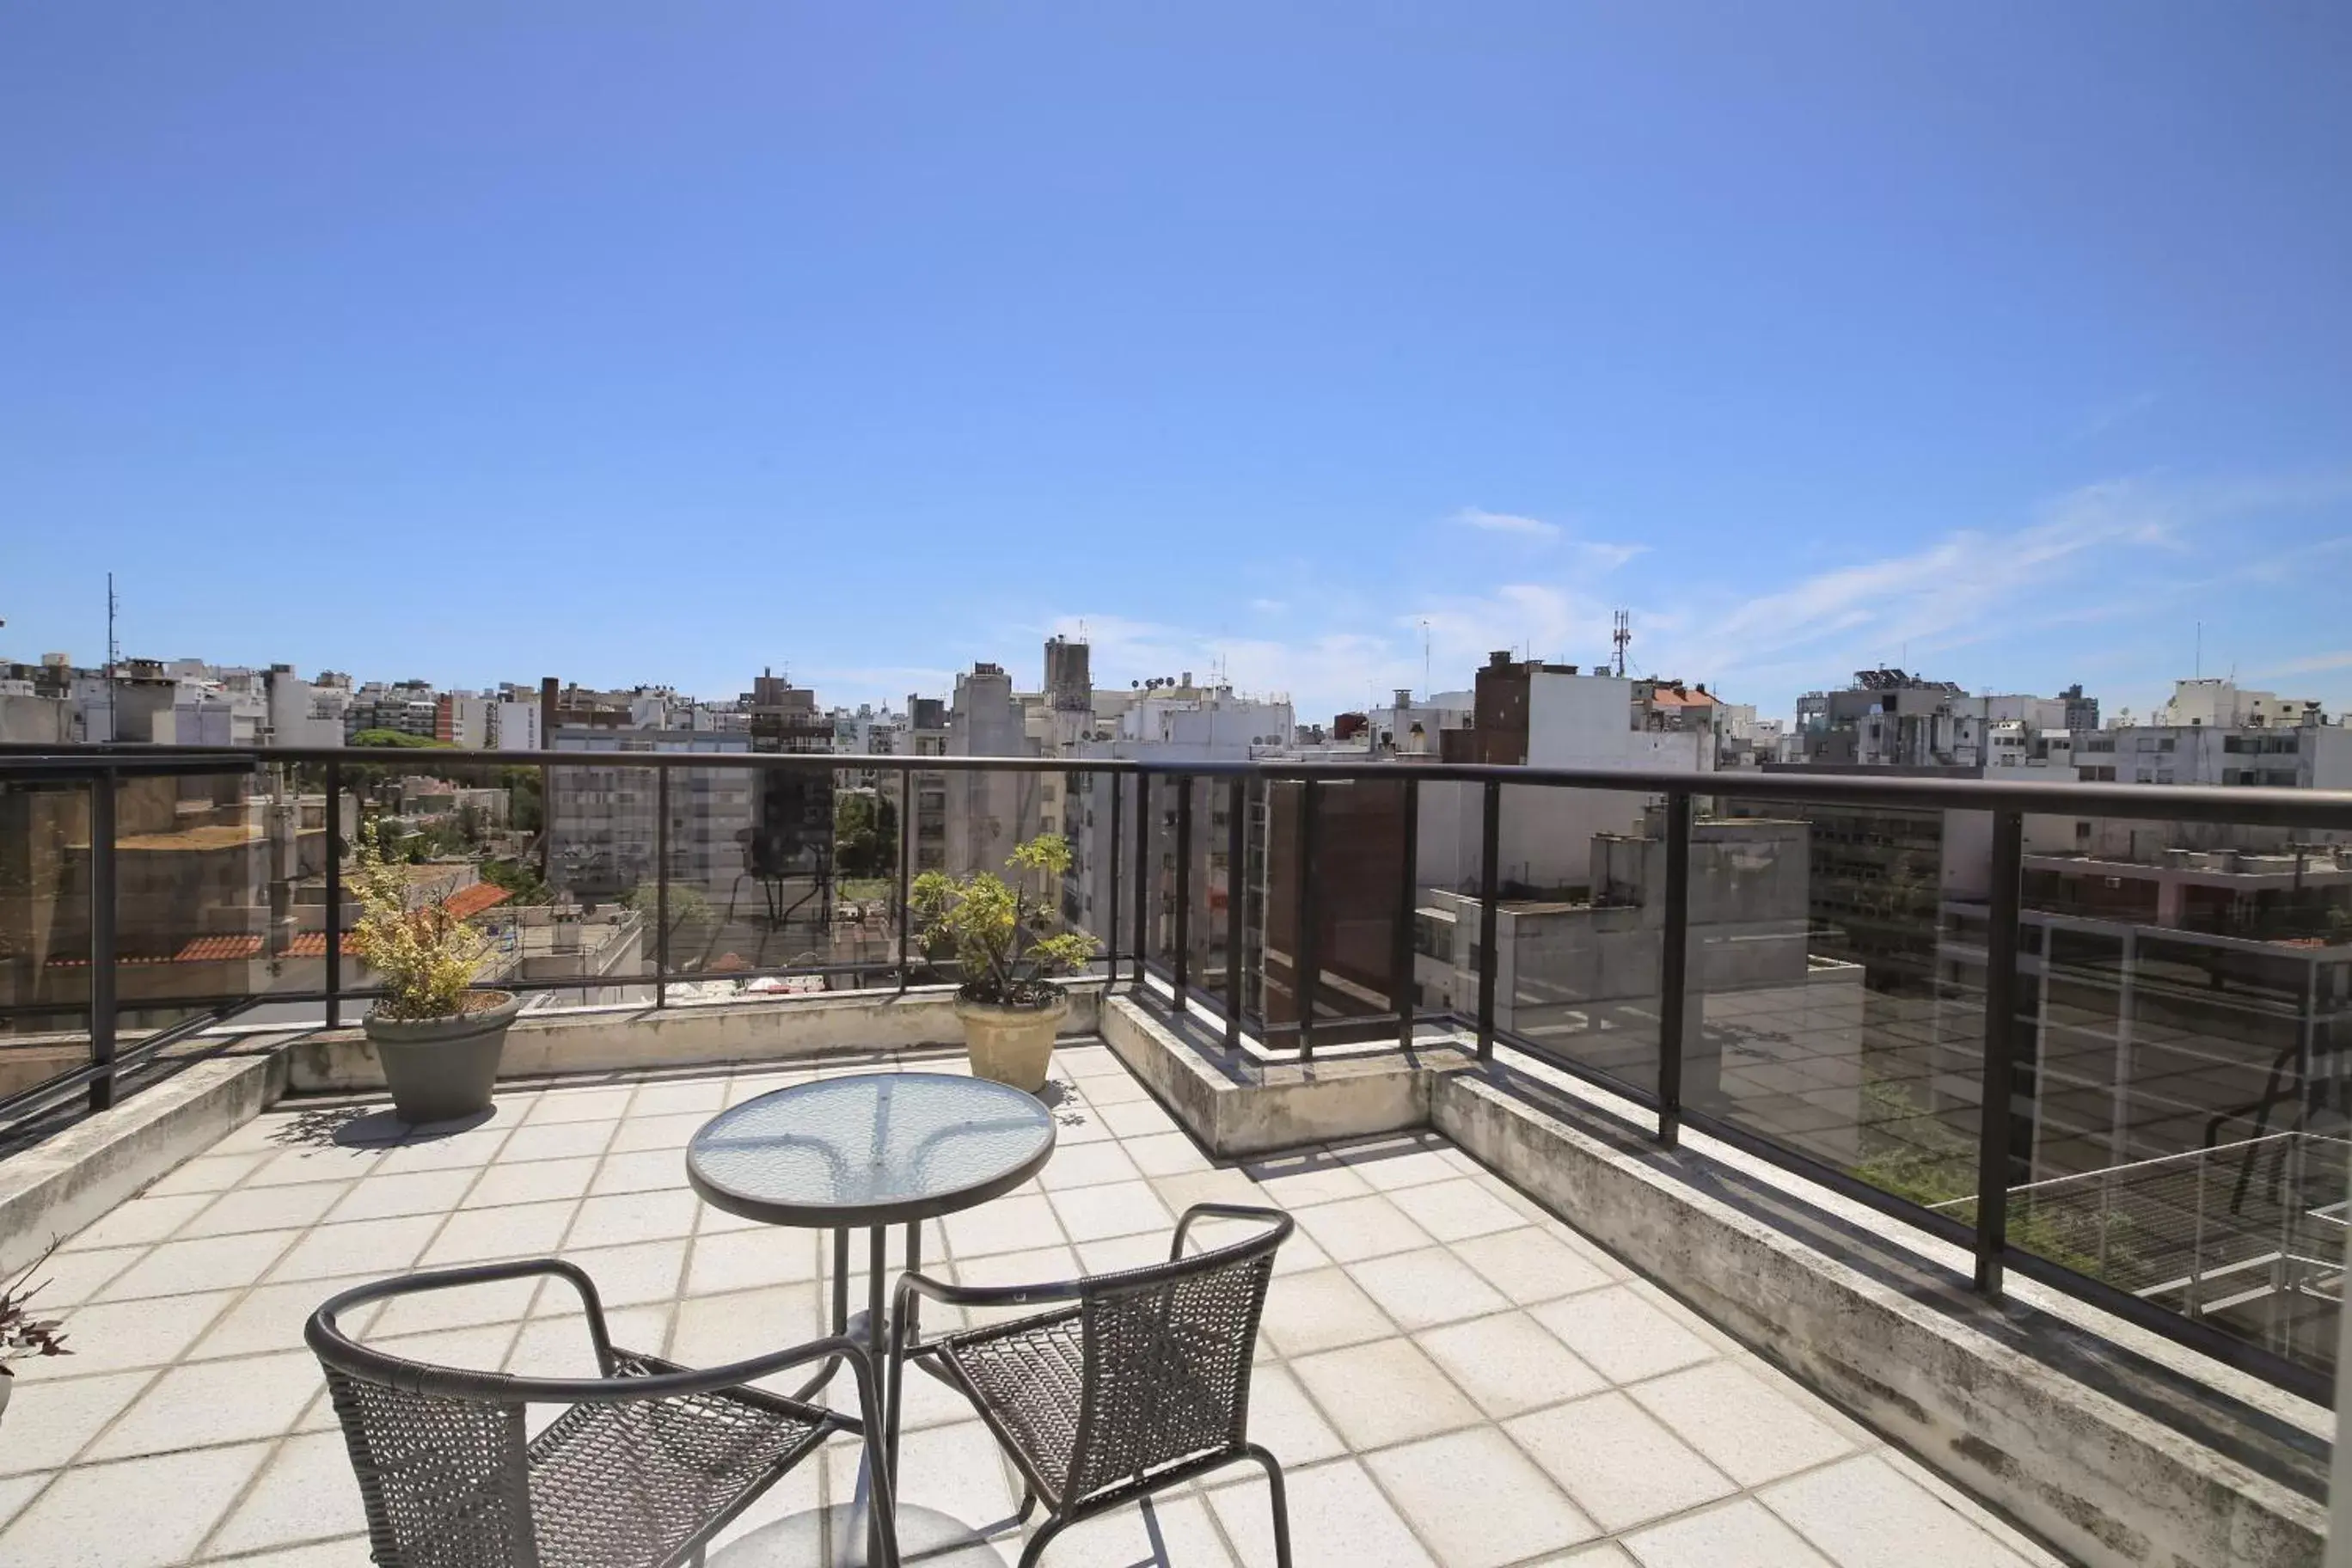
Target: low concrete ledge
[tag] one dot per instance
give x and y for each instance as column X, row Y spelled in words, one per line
column 693, row 1034
column 2092, row 1476
column 76, row 1177
column 1243, row 1106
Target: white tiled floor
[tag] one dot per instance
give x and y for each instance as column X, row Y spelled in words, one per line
column 1450, row 1375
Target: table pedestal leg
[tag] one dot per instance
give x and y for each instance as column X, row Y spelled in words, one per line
column 841, row 1281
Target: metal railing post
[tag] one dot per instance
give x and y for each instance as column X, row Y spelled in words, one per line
column 1111, row 892
column 1400, row 982
column 1673, row 969
column 1184, row 925
column 1143, row 873
column 101, row 939
column 334, row 932
column 1306, row 962
column 661, row 886
column 1490, row 963
column 905, row 861
column 1237, row 897
column 1993, row 1174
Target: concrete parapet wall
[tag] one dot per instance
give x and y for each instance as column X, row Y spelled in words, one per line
column 79, row 1175
column 1247, row 1107
column 613, row 1039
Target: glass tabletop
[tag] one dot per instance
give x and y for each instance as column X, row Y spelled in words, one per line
column 870, row 1150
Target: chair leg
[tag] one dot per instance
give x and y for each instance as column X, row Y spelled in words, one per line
column 1028, row 1503
column 1036, row 1547
column 1281, row 1504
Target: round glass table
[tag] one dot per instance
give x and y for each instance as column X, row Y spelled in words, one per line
column 866, row 1153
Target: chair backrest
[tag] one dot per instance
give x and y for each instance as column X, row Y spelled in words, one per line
column 442, row 1454
column 445, row 1479
column 1167, row 1351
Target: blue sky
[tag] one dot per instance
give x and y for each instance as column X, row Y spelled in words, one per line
column 661, row 343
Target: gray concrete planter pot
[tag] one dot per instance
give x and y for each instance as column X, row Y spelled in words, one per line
column 1012, row 1045
column 439, row 1070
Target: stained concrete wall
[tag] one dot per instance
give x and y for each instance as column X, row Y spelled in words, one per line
column 84, row 1172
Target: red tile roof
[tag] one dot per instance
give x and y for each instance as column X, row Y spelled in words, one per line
column 467, row 902
column 313, row 944
column 196, row 950
column 217, row 949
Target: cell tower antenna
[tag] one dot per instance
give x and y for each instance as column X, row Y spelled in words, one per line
column 1620, row 633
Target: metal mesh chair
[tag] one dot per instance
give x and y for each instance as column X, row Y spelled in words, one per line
column 648, row 1463
column 1141, row 1385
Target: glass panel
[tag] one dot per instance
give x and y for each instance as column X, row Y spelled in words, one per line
column 1358, row 843
column 1084, row 821
column 1578, row 927
column 220, row 893
column 2184, row 999
column 44, row 933
column 1837, row 986
column 595, row 921
column 1274, row 850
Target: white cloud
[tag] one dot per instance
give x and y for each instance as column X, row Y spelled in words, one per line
column 2101, row 420
column 2315, row 664
column 1269, row 607
column 1592, row 555
column 1504, row 523
column 2113, row 552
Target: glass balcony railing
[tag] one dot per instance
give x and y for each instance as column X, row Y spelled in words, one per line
column 2096, row 1035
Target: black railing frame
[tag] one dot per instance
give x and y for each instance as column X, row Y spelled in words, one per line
column 104, row 768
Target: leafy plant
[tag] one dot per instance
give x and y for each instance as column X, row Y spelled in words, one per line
column 22, row 1335
column 688, row 906
column 999, row 934
column 427, row 955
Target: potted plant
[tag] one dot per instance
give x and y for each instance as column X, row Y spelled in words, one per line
column 23, row 1335
column 1002, row 939
column 439, row 1039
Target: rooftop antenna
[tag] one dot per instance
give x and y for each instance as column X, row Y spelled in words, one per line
column 2201, row 650
column 1426, row 688
column 1620, row 633
column 113, row 653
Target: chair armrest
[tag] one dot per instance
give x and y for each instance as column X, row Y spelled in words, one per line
column 1280, row 1222
column 911, row 1285
column 506, row 1388
column 328, row 1340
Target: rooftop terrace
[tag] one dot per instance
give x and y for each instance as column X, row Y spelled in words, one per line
column 1451, row 1374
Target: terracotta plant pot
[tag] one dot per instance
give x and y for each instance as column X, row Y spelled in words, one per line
column 439, row 1070
column 1012, row 1045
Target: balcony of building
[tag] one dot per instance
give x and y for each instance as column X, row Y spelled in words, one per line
column 1648, row 1209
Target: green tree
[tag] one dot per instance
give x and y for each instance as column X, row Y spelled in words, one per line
column 864, row 834
column 526, row 803
column 687, row 904
column 519, row 878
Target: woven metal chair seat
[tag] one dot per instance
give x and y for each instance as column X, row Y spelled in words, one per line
column 647, row 1461
column 631, row 1483
column 1028, row 1378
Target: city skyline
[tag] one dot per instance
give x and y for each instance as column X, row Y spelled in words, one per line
column 1138, row 655
column 2004, row 345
